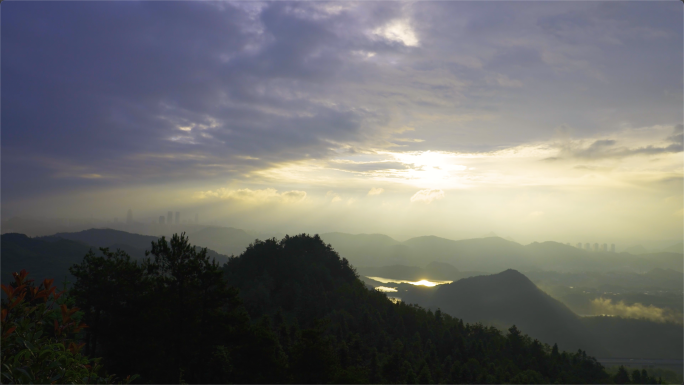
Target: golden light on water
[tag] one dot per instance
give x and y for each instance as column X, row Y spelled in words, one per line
column 422, row 282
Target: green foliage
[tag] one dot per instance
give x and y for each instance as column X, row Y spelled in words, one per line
column 38, row 329
column 620, row 375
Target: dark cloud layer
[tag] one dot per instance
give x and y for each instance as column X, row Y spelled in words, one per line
column 117, row 93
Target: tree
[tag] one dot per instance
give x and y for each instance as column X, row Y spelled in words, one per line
column 175, row 311
column 38, row 329
column 621, row 377
column 425, row 377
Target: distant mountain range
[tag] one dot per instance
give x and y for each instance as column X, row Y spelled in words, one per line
column 51, row 256
column 492, row 254
column 466, row 257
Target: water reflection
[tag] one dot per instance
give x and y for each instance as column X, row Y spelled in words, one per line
column 385, row 289
column 422, row 282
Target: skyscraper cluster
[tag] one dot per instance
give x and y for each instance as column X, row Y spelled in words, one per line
column 174, row 218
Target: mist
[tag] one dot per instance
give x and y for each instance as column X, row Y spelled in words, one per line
column 605, row 306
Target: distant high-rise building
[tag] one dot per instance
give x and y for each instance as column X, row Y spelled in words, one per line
column 169, row 217
column 177, row 217
column 587, row 247
column 129, row 217
column 612, row 247
column 604, row 247
column 579, row 245
column 162, row 219
column 596, row 247
column 196, row 218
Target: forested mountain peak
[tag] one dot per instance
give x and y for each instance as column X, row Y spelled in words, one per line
column 510, row 298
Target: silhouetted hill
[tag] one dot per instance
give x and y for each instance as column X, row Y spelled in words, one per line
column 133, row 244
column 300, row 281
column 510, row 298
column 43, row 258
column 108, row 237
column 51, row 256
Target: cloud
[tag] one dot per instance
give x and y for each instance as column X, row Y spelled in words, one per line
column 333, row 197
column 254, row 196
column 376, row 191
column 399, row 31
column 637, row 310
column 609, row 149
column 367, row 166
column 427, row 196
column 210, row 92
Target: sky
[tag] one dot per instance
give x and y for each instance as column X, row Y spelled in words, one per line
column 534, row 120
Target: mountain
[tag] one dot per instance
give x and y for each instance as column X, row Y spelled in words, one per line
column 133, row 244
column 491, row 254
column 51, row 256
column 108, row 237
column 398, row 272
column 676, row 248
column 368, row 249
column 510, row 298
column 225, row 240
column 440, row 271
column 487, row 254
column 302, row 280
column 42, row 258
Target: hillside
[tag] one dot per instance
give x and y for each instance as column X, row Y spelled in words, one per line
column 107, row 237
column 302, row 281
column 43, row 258
column 51, row 256
column 510, row 298
column 133, row 244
